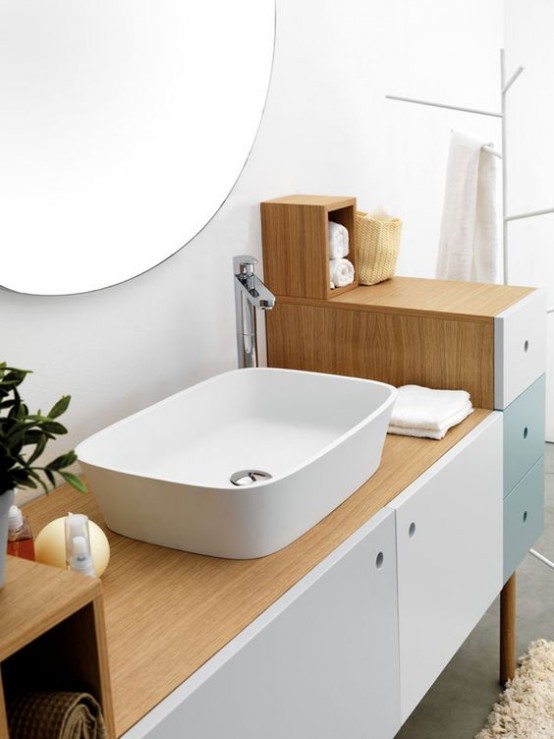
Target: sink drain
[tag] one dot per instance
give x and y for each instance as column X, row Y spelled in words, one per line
column 248, row 477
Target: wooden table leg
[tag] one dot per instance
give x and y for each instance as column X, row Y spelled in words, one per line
column 508, row 630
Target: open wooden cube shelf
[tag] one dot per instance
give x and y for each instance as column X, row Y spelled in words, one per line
column 295, row 236
column 52, row 636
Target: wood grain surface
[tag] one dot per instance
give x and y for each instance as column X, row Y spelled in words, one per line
column 52, row 634
column 296, row 244
column 398, row 348
column 439, row 334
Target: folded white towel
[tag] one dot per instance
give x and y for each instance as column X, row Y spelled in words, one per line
column 469, row 235
column 341, row 272
column 422, row 411
column 338, row 240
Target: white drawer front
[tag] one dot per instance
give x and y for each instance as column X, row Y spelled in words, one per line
column 519, row 348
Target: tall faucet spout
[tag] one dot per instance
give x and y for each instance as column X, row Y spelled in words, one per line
column 250, row 293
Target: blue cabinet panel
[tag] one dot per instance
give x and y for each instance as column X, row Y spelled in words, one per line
column 524, row 421
column 523, row 517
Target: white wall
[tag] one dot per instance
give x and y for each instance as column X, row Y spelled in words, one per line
column 327, row 129
column 529, row 32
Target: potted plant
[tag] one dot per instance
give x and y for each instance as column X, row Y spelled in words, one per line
column 23, row 439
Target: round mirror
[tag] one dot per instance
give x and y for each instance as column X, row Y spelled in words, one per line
column 124, row 125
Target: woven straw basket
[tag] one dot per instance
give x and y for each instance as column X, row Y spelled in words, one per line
column 377, row 247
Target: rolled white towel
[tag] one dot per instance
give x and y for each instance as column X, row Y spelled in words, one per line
column 422, row 411
column 338, row 240
column 341, row 272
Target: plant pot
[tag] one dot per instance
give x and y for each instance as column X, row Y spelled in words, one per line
column 6, row 499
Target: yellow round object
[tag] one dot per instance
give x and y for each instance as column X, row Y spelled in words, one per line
column 50, row 546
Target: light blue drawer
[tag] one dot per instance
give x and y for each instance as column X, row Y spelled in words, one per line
column 523, row 517
column 523, row 433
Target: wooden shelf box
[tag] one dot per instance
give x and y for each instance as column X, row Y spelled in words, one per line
column 295, row 237
column 52, row 636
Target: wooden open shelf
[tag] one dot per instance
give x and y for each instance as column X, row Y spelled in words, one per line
column 295, row 235
column 52, row 636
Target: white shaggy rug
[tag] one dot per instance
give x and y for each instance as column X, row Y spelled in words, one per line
column 525, row 709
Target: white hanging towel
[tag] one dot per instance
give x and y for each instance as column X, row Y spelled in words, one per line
column 469, row 235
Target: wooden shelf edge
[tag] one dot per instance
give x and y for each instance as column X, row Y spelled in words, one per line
column 37, row 597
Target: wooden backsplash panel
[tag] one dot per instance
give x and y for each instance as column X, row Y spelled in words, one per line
column 434, row 351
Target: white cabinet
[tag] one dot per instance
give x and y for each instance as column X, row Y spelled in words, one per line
column 449, row 550
column 519, row 347
column 321, row 662
column 351, row 649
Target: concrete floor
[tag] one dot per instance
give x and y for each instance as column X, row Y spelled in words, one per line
column 457, row 705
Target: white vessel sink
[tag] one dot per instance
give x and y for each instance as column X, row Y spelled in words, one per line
column 163, row 475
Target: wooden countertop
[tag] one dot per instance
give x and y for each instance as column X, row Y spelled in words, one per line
column 167, row 612
column 422, row 296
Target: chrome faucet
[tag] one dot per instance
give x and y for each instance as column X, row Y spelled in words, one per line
column 250, row 293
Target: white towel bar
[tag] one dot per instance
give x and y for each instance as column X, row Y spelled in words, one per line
column 530, row 215
column 542, row 558
column 443, row 105
column 492, row 150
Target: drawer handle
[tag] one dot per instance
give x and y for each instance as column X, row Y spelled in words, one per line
column 412, row 530
column 526, row 345
column 379, row 560
column 524, row 516
column 525, row 432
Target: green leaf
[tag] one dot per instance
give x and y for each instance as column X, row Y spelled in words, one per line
column 40, row 445
column 52, row 427
column 74, row 481
column 14, row 377
column 25, row 477
column 34, row 435
column 16, row 435
column 24, row 437
column 65, row 460
column 60, row 407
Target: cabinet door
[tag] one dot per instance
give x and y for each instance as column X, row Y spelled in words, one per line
column 524, row 421
column 523, row 517
column 449, row 549
column 321, row 662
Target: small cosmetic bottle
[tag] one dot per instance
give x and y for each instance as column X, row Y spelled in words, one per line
column 20, row 536
column 77, row 544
